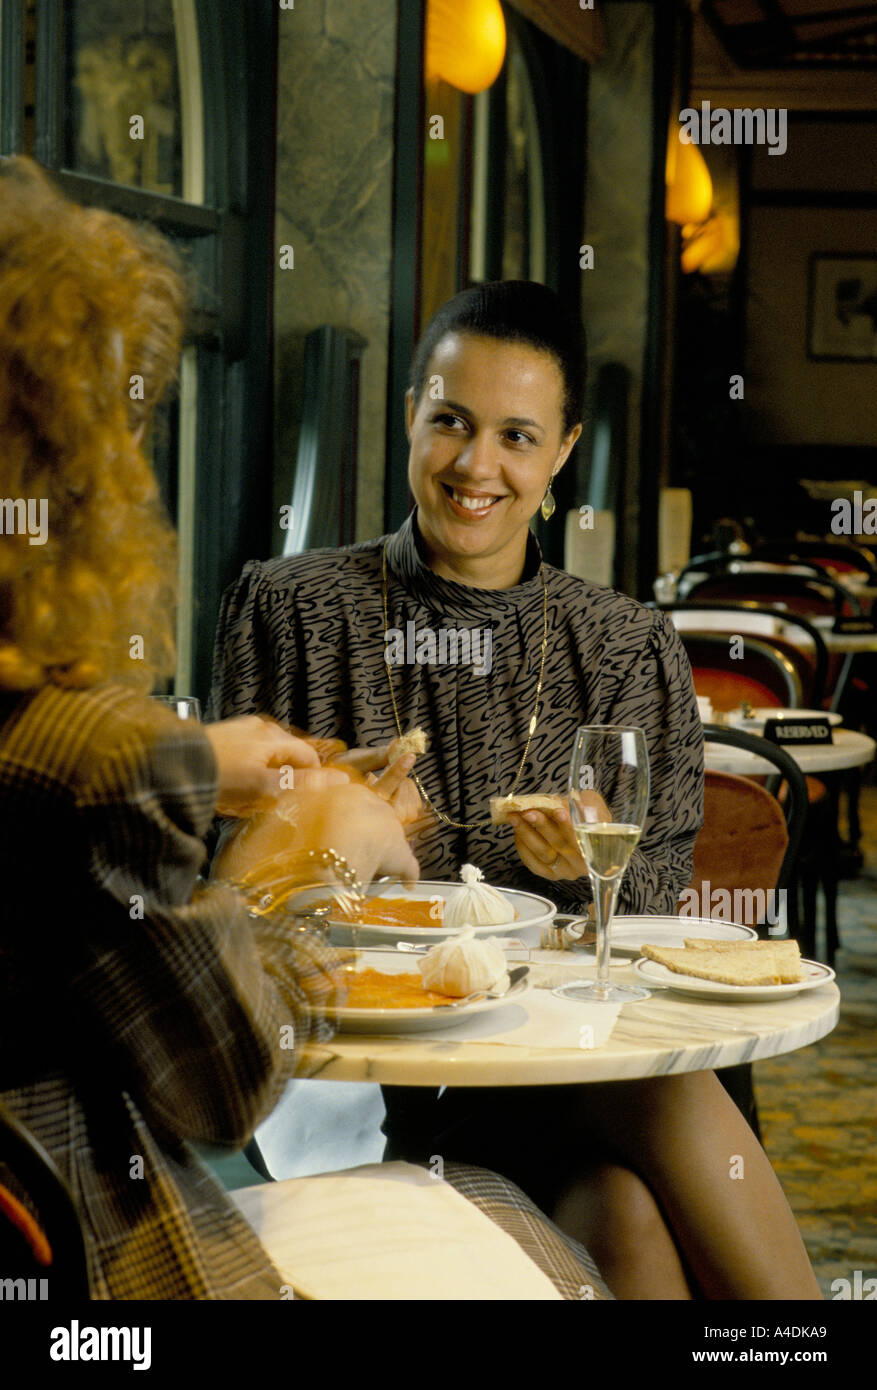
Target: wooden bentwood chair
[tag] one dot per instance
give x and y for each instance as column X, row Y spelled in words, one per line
column 745, row 856
column 759, row 673
column 767, row 677
column 801, row 642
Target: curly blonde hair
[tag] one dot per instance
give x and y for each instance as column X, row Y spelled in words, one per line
column 91, row 323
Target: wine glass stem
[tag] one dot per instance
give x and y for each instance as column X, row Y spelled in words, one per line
column 605, row 897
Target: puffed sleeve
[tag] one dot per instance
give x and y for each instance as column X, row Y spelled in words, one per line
column 246, row 677
column 657, row 694
column 199, row 1007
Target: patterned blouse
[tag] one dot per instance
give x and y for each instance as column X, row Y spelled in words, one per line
column 303, row 639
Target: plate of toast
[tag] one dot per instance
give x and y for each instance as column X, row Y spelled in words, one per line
column 628, row 934
column 745, row 971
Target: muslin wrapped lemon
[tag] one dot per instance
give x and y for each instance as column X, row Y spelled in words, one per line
column 462, row 964
column 476, row 904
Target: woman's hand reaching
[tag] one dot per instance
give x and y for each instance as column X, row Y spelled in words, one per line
column 259, row 762
column 270, row 850
column 390, row 781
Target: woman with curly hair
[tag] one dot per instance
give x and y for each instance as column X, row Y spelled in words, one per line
column 92, row 324
column 140, row 1013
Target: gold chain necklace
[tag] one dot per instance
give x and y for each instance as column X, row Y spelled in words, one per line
column 534, row 718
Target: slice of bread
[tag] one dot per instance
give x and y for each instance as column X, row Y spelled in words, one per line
column 500, row 806
column 415, row 741
column 748, row 943
column 785, row 954
column 741, row 967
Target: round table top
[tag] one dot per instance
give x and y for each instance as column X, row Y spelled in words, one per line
column 850, row 641
column 844, row 641
column 666, row 1033
column 848, row 749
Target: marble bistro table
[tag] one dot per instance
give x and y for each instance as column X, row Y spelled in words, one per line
column 848, row 749
column 559, row 1039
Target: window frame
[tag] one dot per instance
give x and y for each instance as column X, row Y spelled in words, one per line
column 229, row 337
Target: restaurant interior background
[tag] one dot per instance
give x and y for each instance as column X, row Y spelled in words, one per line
column 334, row 169
column 292, row 153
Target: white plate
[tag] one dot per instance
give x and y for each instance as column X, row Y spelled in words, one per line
column 532, row 913
column 756, row 724
column 413, row 1020
column 815, row 974
column 627, row 934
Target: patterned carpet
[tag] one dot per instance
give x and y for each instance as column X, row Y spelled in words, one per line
column 817, row 1105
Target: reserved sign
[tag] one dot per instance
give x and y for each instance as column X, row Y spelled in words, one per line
column 797, row 730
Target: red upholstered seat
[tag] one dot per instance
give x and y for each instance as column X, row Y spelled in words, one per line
column 739, row 850
column 728, row 689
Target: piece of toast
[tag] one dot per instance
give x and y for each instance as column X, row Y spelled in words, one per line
column 786, row 954
column 500, row 806
column 739, row 967
column 415, row 741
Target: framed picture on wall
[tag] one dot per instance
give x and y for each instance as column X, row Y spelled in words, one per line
column 842, row 317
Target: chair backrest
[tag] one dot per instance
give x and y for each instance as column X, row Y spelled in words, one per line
column 709, row 562
column 753, row 561
column 796, row 592
column 738, row 854
column 729, row 673
column 40, row 1233
column 836, row 555
column 788, row 773
column 789, row 633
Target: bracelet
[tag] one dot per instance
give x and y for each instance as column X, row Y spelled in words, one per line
column 268, row 900
column 329, row 859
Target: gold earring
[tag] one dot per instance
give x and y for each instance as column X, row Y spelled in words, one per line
column 548, row 503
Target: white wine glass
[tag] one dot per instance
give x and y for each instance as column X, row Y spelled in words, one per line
column 608, row 800
column 183, row 706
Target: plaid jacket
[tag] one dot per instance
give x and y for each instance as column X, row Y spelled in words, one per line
column 139, row 1013
column 134, row 1017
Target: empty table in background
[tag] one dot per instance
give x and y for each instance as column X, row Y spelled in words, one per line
column 852, row 642
column 848, row 749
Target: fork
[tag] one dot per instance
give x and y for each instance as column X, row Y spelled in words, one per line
column 515, row 975
column 556, row 935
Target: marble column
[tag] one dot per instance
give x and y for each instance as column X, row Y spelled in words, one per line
column 336, row 76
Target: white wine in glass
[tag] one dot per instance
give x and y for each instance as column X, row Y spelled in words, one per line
column 608, row 800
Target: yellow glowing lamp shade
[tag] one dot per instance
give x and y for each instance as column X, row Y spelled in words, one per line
column 689, row 186
column 712, row 247
column 465, row 43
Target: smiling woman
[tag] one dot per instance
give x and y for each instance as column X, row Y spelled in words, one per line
column 492, row 412
column 483, row 454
